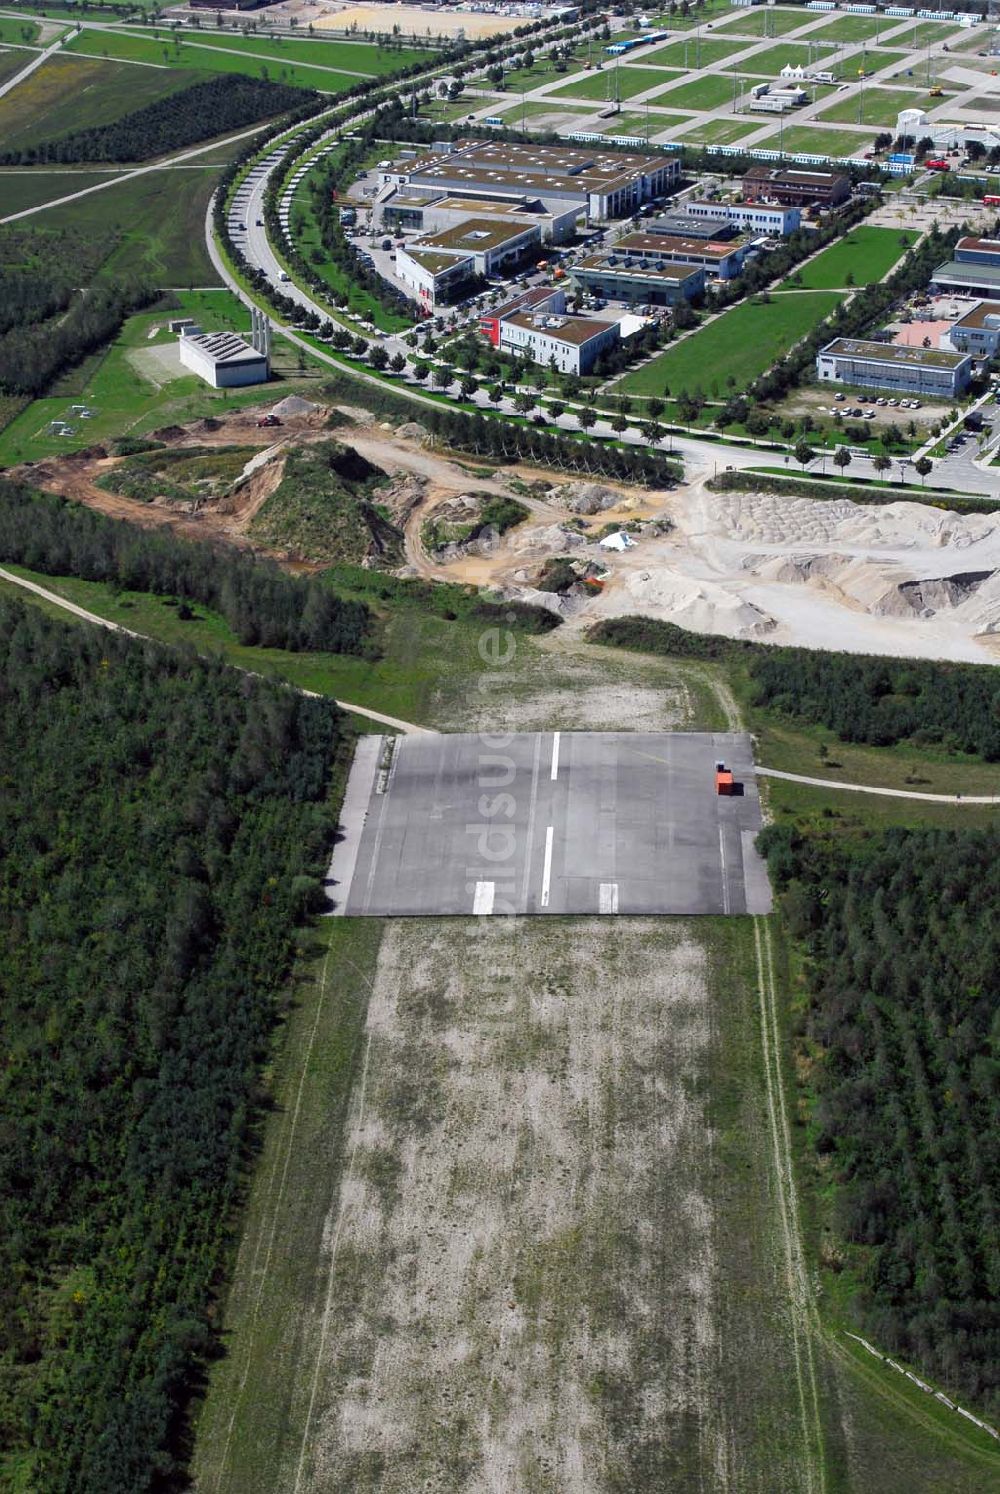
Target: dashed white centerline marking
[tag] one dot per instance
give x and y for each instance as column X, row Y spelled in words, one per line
column 555, row 755
column 547, row 868
column 483, row 901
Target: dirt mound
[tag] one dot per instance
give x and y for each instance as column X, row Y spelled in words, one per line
column 169, row 433
column 413, row 431
column 584, row 497
column 294, row 404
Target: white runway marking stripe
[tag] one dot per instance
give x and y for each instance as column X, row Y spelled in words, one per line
column 608, row 898
column 725, row 875
column 547, row 868
column 483, row 901
column 555, row 755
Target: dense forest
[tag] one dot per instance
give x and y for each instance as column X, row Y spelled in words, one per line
column 214, row 107
column 163, row 825
column 904, row 946
column 861, row 697
column 47, row 323
column 263, row 606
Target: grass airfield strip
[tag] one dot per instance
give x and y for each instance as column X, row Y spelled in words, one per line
column 544, row 1255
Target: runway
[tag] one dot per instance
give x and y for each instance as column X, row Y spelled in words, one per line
column 549, row 823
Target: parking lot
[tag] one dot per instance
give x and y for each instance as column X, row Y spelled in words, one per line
column 549, row 823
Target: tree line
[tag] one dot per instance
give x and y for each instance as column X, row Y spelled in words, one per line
column 163, row 827
column 198, row 112
column 903, row 944
column 502, row 439
column 862, row 697
column 263, row 606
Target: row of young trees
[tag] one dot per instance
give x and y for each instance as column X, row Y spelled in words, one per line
column 904, row 946
column 861, row 697
column 263, row 606
column 163, row 827
column 198, row 112
column 502, row 439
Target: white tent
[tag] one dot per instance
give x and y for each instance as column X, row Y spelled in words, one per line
column 617, row 541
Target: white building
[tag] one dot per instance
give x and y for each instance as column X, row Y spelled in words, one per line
column 432, row 278
column 758, row 217
column 225, row 360
column 977, row 332
column 572, row 341
column 948, row 134
column 889, row 365
column 434, row 266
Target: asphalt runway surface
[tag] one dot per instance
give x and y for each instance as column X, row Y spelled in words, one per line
column 548, row 822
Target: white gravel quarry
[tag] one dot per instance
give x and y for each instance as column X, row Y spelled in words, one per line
column 901, row 578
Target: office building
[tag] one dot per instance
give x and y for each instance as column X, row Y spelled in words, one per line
column 930, row 372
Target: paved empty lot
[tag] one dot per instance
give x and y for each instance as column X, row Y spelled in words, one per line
column 548, row 822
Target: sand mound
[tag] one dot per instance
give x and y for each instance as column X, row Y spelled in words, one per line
column 700, row 605
column 772, row 519
column 293, row 404
column 413, row 431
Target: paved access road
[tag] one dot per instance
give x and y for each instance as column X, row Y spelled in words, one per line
column 560, row 823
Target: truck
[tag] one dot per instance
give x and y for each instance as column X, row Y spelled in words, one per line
column 723, row 780
column 937, row 165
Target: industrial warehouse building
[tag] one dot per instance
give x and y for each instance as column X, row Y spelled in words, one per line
column 887, row 365
column 978, row 331
column 399, row 211
column 573, row 343
column 225, row 360
column 754, row 216
column 598, row 184
column 795, row 188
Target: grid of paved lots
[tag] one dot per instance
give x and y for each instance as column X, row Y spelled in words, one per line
column 561, row 823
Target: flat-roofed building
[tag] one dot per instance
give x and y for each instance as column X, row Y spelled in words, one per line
column 573, row 343
column 968, row 279
column 598, row 183
column 796, row 187
column 656, row 282
column 542, row 298
column 224, row 359
column 755, row 216
column 435, row 266
column 931, row 372
column 555, row 222
column 691, row 226
column 976, row 251
column 432, row 277
column 493, row 243
column 718, row 259
column 977, row 332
